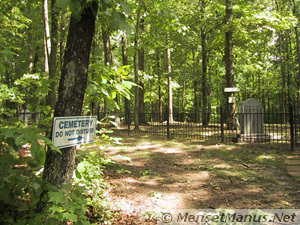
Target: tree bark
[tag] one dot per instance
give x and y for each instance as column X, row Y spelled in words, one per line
column 47, row 41
column 125, row 62
column 297, row 79
column 204, row 79
column 136, row 73
column 168, row 70
column 59, row 167
column 229, row 74
column 282, row 67
column 51, row 98
column 160, row 104
column 195, row 87
column 62, row 42
column 204, row 70
column 183, row 100
column 30, row 45
column 107, row 46
column 141, row 64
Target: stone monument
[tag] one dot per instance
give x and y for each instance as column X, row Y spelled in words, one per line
column 252, row 122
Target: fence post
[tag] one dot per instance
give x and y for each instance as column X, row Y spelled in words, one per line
column 292, row 127
column 222, row 123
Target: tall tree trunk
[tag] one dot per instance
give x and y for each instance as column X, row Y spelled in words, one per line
column 183, row 100
column 109, row 62
column 195, row 87
column 229, row 74
column 289, row 67
column 125, row 62
column 59, row 167
column 160, row 104
column 47, row 41
column 30, row 45
column 204, row 69
column 136, row 73
column 282, row 67
column 107, row 58
column 209, row 94
column 297, row 78
column 62, row 41
column 204, row 79
column 141, row 64
column 51, row 98
column 107, row 46
column 30, row 59
column 168, row 70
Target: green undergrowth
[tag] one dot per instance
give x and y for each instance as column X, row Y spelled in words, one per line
column 21, row 185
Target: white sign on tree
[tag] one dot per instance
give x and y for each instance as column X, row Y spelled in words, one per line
column 75, row 130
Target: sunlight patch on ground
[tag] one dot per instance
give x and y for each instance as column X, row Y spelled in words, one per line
column 254, row 190
column 130, row 180
column 198, row 176
column 261, row 157
column 147, row 146
column 223, row 166
column 168, row 150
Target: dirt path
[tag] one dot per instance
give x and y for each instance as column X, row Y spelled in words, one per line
column 153, row 175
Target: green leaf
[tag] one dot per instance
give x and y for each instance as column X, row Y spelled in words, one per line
column 91, row 89
column 70, row 216
column 33, row 163
column 41, row 155
column 54, row 148
column 56, row 208
column 63, row 4
column 118, row 22
column 127, row 9
column 111, row 104
column 23, row 139
column 9, row 133
column 57, row 196
column 129, row 84
column 36, row 186
column 78, row 175
column 35, row 146
column 81, row 167
column 6, row 54
column 105, row 92
column 75, row 8
column 11, row 142
column 119, row 87
column 113, row 94
column 43, row 138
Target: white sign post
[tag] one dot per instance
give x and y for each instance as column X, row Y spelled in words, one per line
column 231, row 89
column 75, row 130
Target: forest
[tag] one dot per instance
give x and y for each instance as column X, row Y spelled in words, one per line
column 120, row 60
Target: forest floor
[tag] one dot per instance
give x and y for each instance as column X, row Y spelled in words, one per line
column 152, row 176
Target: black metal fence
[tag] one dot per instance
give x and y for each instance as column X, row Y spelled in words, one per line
column 248, row 126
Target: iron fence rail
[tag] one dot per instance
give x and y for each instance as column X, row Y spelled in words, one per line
column 277, row 127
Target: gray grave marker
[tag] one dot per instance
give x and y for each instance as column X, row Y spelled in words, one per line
column 251, row 120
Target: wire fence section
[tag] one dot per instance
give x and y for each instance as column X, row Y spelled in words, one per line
column 248, row 126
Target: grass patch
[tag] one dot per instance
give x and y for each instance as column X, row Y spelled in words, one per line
column 269, row 157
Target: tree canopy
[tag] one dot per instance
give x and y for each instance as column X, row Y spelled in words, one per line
column 113, row 58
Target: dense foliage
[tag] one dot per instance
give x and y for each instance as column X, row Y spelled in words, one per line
column 164, row 49
column 22, row 186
